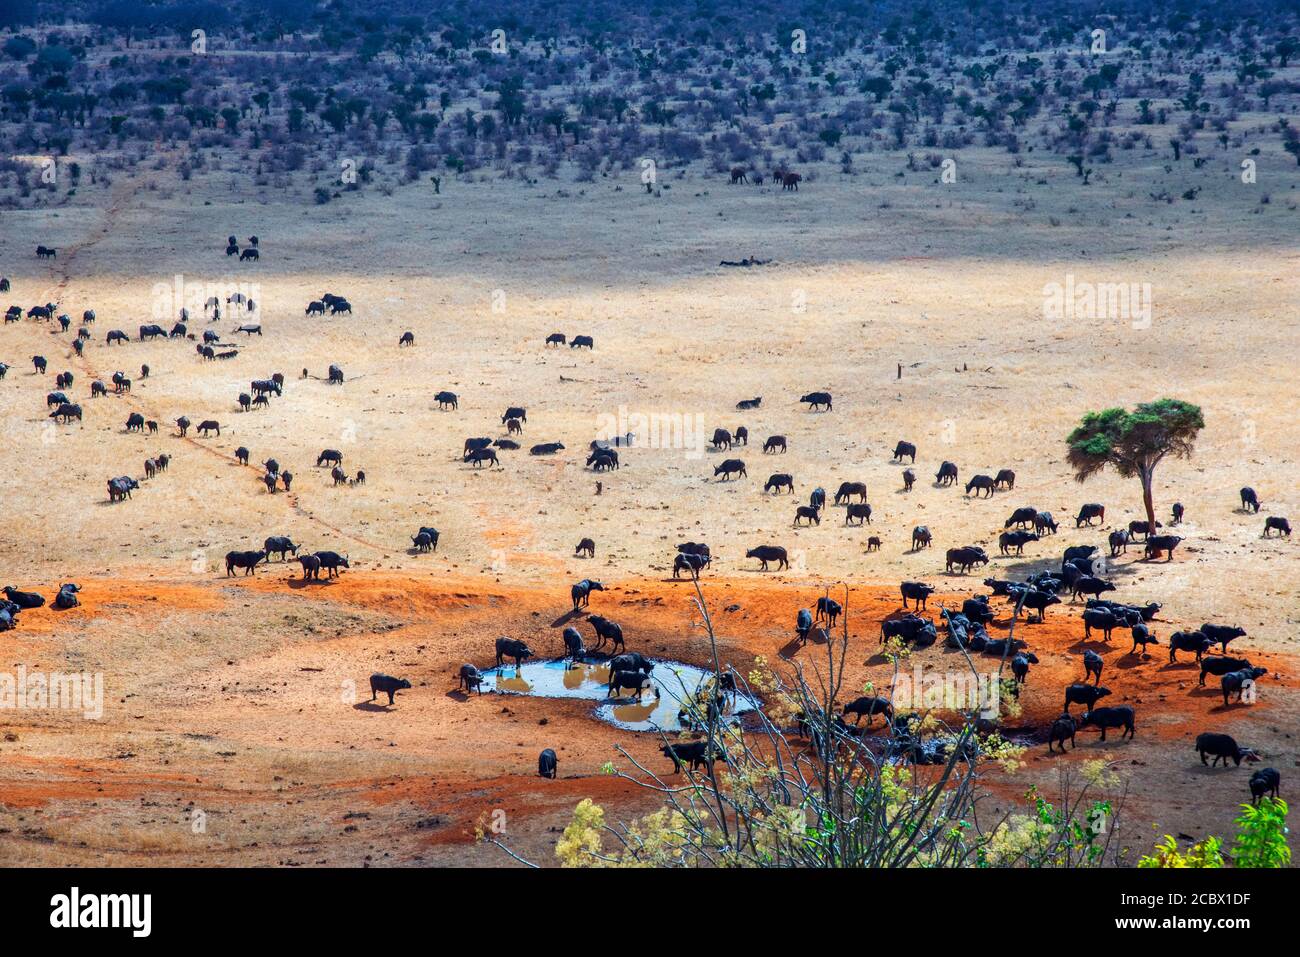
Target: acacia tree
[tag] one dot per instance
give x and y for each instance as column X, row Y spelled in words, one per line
column 1134, row 443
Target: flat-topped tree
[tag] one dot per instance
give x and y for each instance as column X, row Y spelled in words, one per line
column 1133, row 443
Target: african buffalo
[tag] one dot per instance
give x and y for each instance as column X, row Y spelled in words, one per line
column 769, row 553
column 861, row 511
column 1162, row 543
column 917, row 592
column 1088, row 512
column 1119, row 716
column 280, row 545
column 385, row 684
column 246, row 560
column 848, row 489
column 1278, row 524
column 778, row 481
column 581, row 592
column 966, row 557
column 512, row 648
column 330, row 561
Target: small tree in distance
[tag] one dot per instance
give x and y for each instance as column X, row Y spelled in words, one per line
column 1134, row 443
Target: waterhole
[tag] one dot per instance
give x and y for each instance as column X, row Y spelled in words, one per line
column 675, row 682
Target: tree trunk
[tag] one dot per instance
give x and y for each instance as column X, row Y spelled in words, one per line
column 1147, row 475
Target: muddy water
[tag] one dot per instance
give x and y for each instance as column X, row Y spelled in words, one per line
column 590, row 679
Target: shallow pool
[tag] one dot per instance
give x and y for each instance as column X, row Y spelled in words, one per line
column 589, row 679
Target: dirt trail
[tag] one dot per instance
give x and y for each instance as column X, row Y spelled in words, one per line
column 121, row 197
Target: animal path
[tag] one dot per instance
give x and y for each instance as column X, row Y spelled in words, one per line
column 139, row 405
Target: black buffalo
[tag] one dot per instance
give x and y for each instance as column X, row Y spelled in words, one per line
column 386, row 684
column 23, row 599
column 688, row 563
column 849, row 489
column 581, row 592
column 917, row 592
column 694, row 753
column 966, row 557
column 607, row 630
column 778, row 481
column 1162, row 543
column 331, row 562
column 280, row 545
column 573, row 644
column 512, row 648
column 470, row 678
column 860, row 511
column 1222, row 747
column 631, row 681
column 1016, row 540
column 67, row 411
column 547, row 763
column 1063, row 729
column 1220, row 665
column 1189, row 641
column 1021, row 517
column 769, row 553
column 1239, row 682
column 1264, row 782
column 1088, row 512
column 1277, row 523
column 1222, row 634
column 869, row 707
column 247, row 560
column 1119, row 716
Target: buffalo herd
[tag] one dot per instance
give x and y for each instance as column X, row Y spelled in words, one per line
column 1081, row 575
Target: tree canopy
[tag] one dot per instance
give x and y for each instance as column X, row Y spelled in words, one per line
column 1133, row 443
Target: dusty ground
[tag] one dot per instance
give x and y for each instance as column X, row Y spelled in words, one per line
column 213, row 701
